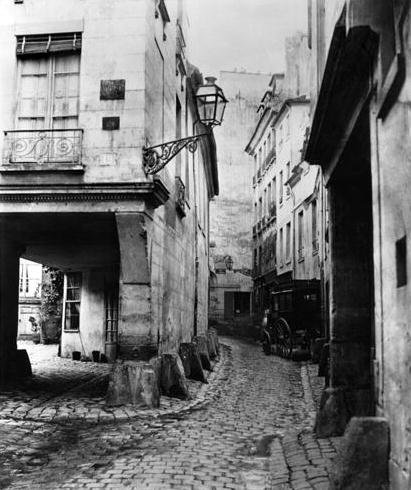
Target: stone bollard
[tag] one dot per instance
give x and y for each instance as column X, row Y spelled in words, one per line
column 190, row 358
column 202, row 345
column 20, row 366
column 133, row 382
column 212, row 349
column 213, row 332
column 173, row 381
column 362, row 459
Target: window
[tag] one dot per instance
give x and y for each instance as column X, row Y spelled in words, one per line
column 260, row 207
column 281, row 247
column 401, row 261
column 255, row 212
column 314, row 225
column 300, row 235
column 288, row 242
column 281, row 190
column 260, row 158
column 269, row 196
column 72, row 301
column 287, row 126
column 48, row 81
column 288, row 170
column 274, row 191
column 269, row 141
column 265, row 202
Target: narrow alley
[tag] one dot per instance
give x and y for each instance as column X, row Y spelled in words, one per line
column 249, row 428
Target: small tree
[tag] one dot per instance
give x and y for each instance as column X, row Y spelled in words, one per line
column 51, row 303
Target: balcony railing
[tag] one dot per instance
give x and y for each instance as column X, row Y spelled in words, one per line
column 180, row 197
column 55, row 149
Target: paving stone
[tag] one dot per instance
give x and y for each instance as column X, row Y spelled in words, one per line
column 249, row 428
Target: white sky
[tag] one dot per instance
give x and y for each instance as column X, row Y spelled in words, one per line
column 228, row 34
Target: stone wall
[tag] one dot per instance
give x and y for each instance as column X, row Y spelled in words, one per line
column 231, row 212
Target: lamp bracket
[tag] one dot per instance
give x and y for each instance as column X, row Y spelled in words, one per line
column 156, row 157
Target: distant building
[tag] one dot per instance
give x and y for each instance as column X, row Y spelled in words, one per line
column 230, row 297
column 288, row 199
column 231, row 212
column 30, row 277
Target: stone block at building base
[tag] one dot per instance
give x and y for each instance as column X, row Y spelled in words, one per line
column 316, row 349
column 190, row 358
column 202, row 344
column 333, row 415
column 135, row 383
column 214, row 335
column 362, row 459
column 173, row 381
column 211, row 344
column 20, row 366
column 337, row 406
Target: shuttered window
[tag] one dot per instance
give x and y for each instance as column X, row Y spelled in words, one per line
column 48, row 43
column 48, row 92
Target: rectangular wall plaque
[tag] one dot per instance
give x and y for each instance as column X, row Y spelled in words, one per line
column 111, row 123
column 112, row 89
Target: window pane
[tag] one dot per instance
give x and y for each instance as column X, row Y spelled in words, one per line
column 72, row 317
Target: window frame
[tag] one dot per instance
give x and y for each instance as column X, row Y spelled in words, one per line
column 51, row 75
column 72, row 301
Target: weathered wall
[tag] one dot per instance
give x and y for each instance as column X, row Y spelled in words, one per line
column 231, row 212
column 159, row 305
column 392, row 221
column 91, row 335
column 119, row 54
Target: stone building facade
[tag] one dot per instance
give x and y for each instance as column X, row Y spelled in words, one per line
column 361, row 79
column 231, row 289
column 85, row 85
column 231, row 212
column 288, row 199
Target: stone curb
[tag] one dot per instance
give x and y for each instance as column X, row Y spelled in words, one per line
column 204, row 396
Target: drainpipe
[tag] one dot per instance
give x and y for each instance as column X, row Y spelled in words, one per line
column 196, row 260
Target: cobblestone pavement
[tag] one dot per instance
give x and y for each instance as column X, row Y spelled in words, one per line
column 249, row 428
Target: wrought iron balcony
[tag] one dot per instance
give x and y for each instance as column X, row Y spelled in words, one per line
column 180, row 197
column 273, row 210
column 43, row 149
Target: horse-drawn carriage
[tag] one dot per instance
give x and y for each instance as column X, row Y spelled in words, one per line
column 292, row 320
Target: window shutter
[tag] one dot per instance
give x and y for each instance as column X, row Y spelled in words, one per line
column 48, row 43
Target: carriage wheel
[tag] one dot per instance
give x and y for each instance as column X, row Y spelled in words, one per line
column 284, row 336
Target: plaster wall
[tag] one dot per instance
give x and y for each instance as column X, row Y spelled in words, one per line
column 392, row 221
column 107, row 53
column 231, row 212
column 291, row 125
column 91, row 335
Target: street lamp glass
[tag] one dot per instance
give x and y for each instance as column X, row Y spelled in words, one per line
column 210, row 103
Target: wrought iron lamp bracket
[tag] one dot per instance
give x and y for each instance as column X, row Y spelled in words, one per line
column 156, row 157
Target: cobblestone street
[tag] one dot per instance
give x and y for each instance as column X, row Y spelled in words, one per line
column 249, row 428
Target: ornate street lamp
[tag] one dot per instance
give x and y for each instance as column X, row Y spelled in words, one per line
column 211, row 102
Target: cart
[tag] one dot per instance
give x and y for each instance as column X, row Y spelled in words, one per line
column 292, row 320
